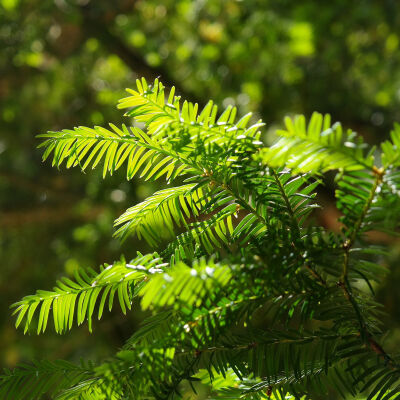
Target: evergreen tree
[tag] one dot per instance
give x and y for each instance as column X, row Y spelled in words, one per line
column 247, row 296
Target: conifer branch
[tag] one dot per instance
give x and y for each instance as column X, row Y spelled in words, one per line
column 296, row 227
column 344, row 282
column 379, row 174
column 232, row 297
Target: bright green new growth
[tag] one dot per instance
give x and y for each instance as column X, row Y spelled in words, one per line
column 249, row 298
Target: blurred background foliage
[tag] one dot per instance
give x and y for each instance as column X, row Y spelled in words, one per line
column 66, row 62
